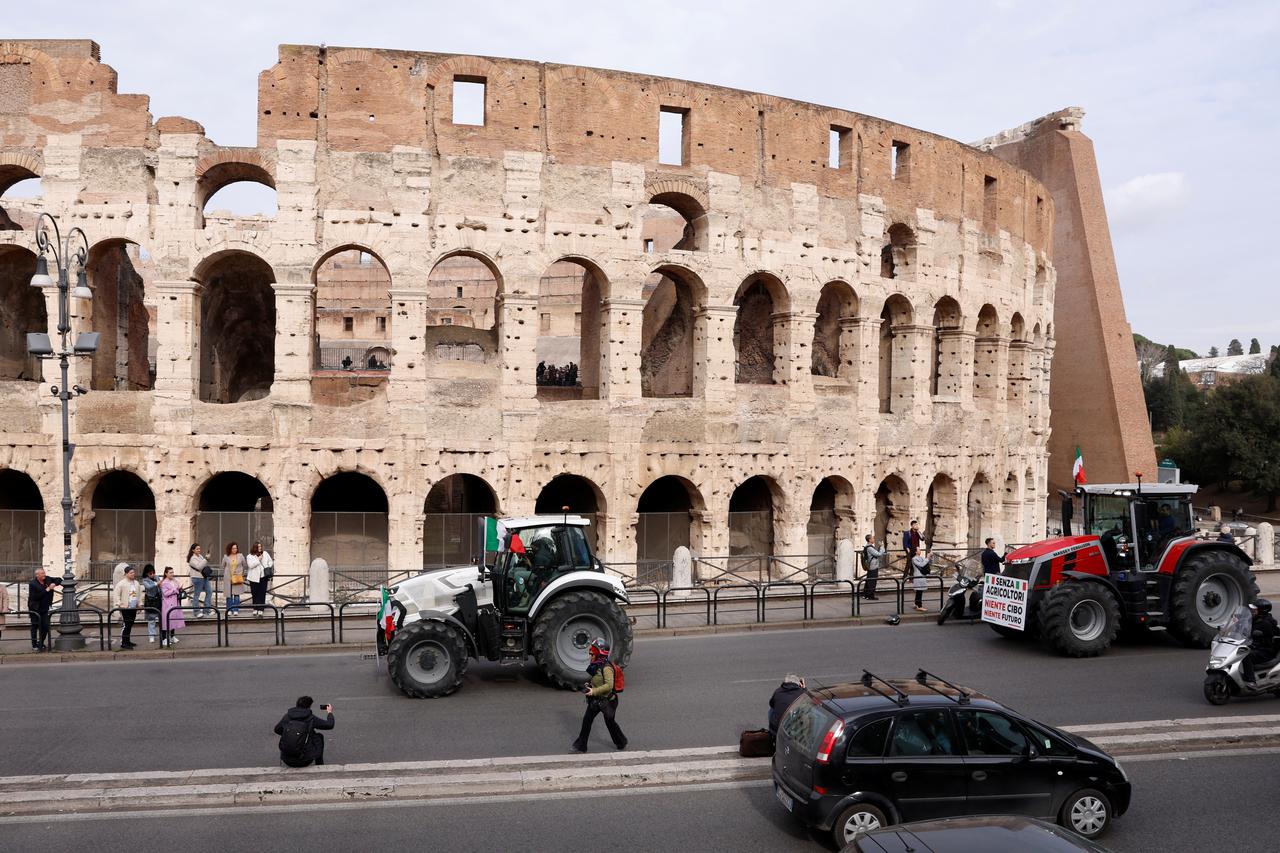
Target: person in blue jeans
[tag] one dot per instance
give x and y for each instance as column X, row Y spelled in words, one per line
column 151, row 601
column 201, row 582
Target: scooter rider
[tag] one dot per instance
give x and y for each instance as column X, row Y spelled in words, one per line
column 1263, row 634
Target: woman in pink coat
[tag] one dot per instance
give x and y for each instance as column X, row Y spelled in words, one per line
column 171, row 618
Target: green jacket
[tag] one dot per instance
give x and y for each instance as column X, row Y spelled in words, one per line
column 602, row 682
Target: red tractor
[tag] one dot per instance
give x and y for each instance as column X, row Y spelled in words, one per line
column 1137, row 565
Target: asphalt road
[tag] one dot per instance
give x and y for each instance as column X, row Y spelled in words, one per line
column 682, row 691
column 1216, row 801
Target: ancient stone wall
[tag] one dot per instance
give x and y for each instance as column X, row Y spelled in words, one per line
column 833, row 332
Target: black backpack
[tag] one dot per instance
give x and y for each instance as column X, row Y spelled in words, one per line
column 151, row 598
column 295, row 737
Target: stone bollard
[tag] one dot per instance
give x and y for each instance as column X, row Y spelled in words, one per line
column 1251, row 537
column 845, row 555
column 1266, row 553
column 682, row 568
column 319, row 581
column 1215, row 513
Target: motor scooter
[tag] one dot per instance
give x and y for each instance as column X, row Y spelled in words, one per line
column 966, row 581
column 1225, row 672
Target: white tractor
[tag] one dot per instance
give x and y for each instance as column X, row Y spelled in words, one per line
column 545, row 596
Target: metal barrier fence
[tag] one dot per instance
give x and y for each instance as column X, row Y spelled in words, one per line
column 91, row 619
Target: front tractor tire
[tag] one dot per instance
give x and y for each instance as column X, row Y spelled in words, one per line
column 427, row 659
column 1209, row 587
column 564, row 631
column 1079, row 618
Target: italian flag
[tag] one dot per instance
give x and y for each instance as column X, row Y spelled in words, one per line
column 386, row 617
column 1077, row 470
column 494, row 532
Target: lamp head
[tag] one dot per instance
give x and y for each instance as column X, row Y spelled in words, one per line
column 41, row 278
column 82, row 290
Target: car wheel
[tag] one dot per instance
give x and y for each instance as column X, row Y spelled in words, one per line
column 855, row 820
column 1087, row 812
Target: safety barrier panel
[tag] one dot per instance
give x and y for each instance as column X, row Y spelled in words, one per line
column 308, row 608
column 644, row 592
column 666, row 596
column 276, row 631
column 20, row 631
column 735, row 587
column 837, row 591
column 166, row 619
column 370, row 609
column 141, row 615
column 791, row 585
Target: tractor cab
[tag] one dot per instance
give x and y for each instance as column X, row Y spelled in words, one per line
column 536, row 552
column 1136, row 525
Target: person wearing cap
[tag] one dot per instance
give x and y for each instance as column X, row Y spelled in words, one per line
column 127, row 597
column 601, row 698
column 790, row 690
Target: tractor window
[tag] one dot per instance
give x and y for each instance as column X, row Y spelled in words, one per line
column 1109, row 513
column 578, row 554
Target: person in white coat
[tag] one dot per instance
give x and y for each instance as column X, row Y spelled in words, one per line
column 261, row 568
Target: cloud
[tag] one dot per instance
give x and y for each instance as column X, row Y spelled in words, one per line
column 1140, row 201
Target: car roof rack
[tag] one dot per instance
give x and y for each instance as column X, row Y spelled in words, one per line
column 922, row 678
column 898, row 698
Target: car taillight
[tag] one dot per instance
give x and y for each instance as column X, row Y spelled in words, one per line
column 833, row 734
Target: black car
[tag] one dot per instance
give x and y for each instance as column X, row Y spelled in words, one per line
column 856, row 757
column 1001, row 834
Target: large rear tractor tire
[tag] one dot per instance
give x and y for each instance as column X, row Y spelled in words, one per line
column 427, row 659
column 1080, row 618
column 1209, row 587
column 564, row 631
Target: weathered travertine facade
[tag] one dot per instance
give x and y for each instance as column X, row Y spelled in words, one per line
column 853, row 327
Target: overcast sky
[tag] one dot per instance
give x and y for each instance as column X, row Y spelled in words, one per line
column 1182, row 99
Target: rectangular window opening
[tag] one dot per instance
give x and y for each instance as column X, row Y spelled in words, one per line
column 990, row 207
column 446, row 321
column 348, row 324
column 468, row 100
column 459, row 294
column 900, row 161
column 673, row 136
column 839, row 147
column 648, row 246
column 382, row 324
column 544, row 323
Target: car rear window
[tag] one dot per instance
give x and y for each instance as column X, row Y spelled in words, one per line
column 805, row 724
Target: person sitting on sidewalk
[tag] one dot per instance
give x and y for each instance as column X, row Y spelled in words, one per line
column 300, row 742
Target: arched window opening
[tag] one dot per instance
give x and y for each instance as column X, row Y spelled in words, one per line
column 234, row 507
column 833, row 352
column 896, row 363
column 237, row 329
column 1030, row 508
column 239, row 194
column 986, row 357
column 349, row 530
column 352, row 313
column 751, row 510
column 22, row 310
column 673, row 221
column 570, row 331
column 667, row 363
column 830, row 518
column 119, row 273
column 980, row 511
column 942, row 510
column 946, row 373
column 898, row 255
column 582, row 497
column 1012, row 515
column 1041, row 284
column 21, row 526
column 452, row 532
column 462, row 311
column 1019, row 369
column 122, row 526
column 17, row 187
column 758, row 299
column 893, row 511
column 668, row 517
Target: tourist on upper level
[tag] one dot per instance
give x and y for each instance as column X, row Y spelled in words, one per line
column 911, row 539
column 260, row 570
column 233, row 571
column 201, row 581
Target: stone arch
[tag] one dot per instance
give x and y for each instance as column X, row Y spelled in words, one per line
column 237, row 327
column 893, row 510
column 453, row 509
column 582, row 496
column 220, row 169
column 122, row 522
column 21, row 523
column 349, row 525
column 15, row 53
column 760, row 299
column 352, row 310
column 896, row 368
column 572, row 333
column 979, row 510
column 942, row 513
column 947, row 366
column 834, row 354
column 22, row 310
column 119, row 272
column 1031, row 507
column 463, row 290
column 1012, row 509
column 233, row 506
column 673, row 297
column 1019, row 382
column 986, row 358
column 830, row 515
column 18, row 166
column 688, row 230
column 669, row 514
column 754, row 508
column 898, row 254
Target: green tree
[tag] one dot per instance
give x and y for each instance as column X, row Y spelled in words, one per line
column 1254, row 347
column 1235, row 347
column 1213, row 352
column 1236, row 437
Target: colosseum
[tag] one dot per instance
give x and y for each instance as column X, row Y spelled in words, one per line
column 701, row 316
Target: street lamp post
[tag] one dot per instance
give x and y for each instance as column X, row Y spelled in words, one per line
column 65, row 251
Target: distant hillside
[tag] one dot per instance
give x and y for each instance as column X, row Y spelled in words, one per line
column 1141, row 343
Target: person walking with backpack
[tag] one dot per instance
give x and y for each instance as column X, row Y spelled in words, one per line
column 201, row 581
column 300, row 742
column 872, row 560
column 127, row 596
column 921, row 568
column 602, row 696
column 260, row 569
column 171, row 618
column 152, row 601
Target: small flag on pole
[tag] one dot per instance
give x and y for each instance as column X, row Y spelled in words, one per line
column 494, row 532
column 1077, row 470
column 386, row 617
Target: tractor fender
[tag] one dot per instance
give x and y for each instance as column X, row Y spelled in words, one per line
column 1098, row 579
column 439, row 616
column 595, row 581
column 1179, row 552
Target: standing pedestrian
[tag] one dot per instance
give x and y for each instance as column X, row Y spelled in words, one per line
column 152, row 601
column 128, row 595
column 261, row 568
column 233, row 569
column 171, row 618
column 201, row 581
column 4, row 607
column 40, row 593
column 601, row 697
column 872, row 560
column 990, row 559
column 921, row 568
column 911, row 539
column 300, row 743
